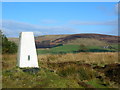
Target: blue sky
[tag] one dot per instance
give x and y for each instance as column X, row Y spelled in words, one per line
column 45, row 18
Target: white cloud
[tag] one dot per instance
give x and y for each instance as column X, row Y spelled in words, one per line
column 13, row 28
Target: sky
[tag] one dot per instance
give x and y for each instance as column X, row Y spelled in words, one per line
column 51, row 18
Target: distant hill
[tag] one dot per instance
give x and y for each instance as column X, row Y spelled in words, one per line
column 86, row 39
column 40, row 38
column 16, row 40
column 47, row 41
column 49, row 37
column 101, row 37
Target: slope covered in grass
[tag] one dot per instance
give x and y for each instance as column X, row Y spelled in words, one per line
column 87, row 42
column 49, row 37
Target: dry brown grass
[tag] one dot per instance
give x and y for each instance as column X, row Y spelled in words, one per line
column 87, row 42
column 9, row 61
column 91, row 58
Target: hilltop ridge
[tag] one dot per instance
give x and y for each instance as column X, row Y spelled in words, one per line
column 47, row 41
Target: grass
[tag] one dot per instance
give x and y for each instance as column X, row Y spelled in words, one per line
column 49, row 37
column 81, row 72
column 87, row 42
column 59, row 71
column 9, row 61
column 72, row 49
column 60, row 49
column 88, row 57
column 16, row 78
column 97, row 83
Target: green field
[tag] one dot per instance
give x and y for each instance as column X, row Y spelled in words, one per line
column 74, row 49
column 60, row 49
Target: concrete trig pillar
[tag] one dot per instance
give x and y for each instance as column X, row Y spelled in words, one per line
column 27, row 56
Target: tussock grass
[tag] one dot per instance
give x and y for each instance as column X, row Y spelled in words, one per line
column 9, row 61
column 90, row 58
column 81, row 72
column 59, row 71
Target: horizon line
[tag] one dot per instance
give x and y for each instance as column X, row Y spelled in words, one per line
column 67, row 34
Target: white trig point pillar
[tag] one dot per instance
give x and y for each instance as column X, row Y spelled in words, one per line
column 27, row 56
